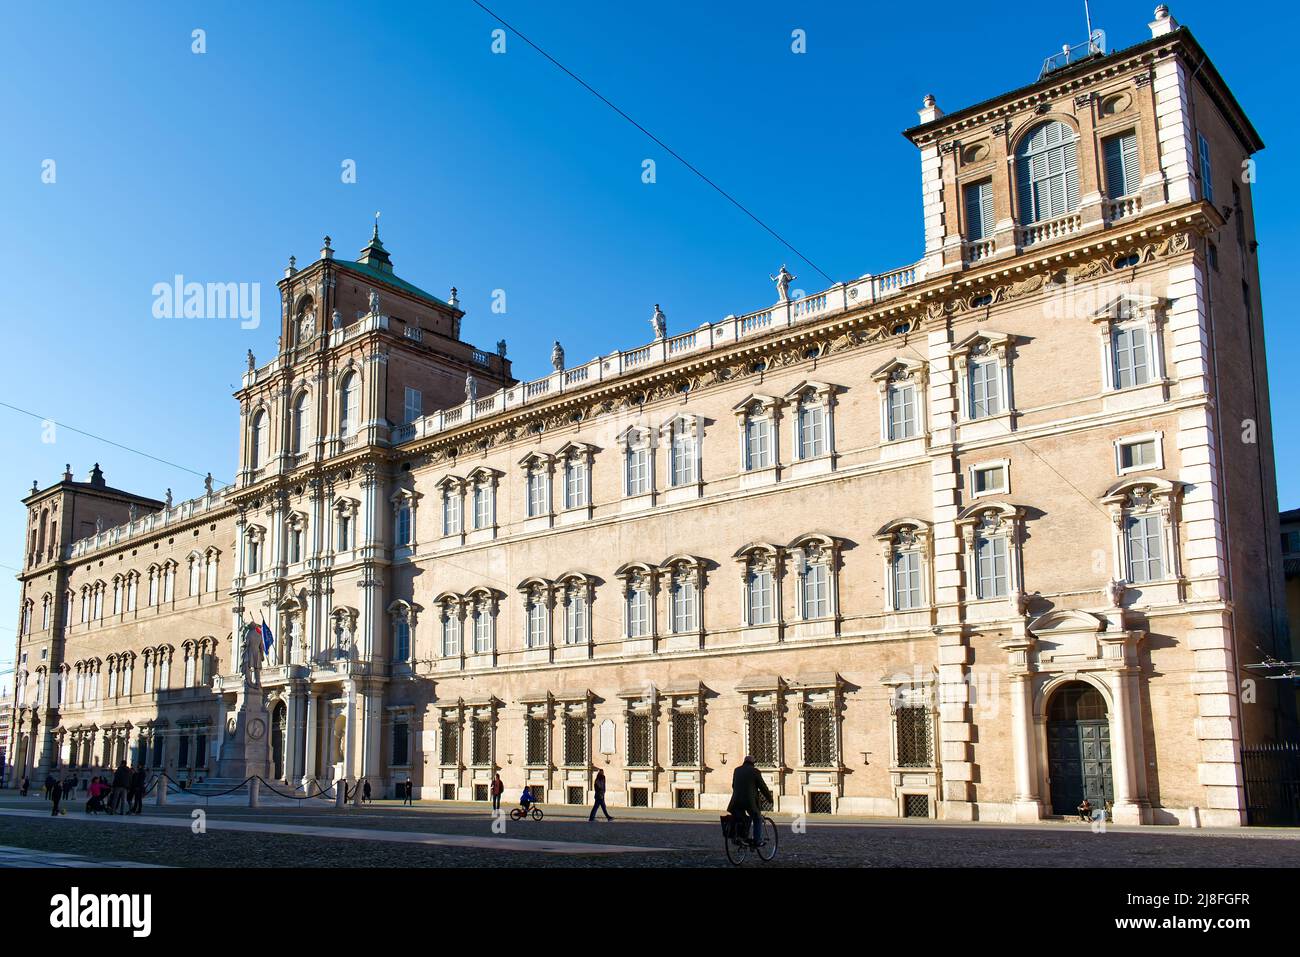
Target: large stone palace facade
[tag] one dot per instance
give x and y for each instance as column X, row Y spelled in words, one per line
column 971, row 539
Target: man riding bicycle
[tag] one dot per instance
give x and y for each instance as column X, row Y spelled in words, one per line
column 746, row 785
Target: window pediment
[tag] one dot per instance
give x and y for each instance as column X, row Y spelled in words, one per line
column 899, row 370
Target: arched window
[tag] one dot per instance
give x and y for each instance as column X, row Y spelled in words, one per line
column 261, row 437
column 349, row 401
column 301, row 423
column 1047, row 173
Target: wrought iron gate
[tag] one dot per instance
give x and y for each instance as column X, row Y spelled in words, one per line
column 1272, row 773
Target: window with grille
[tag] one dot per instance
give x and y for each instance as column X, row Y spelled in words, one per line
column 915, row 737
column 449, row 792
column 539, row 793
column 450, row 751
column 818, row 738
column 991, row 567
column 1132, row 362
column 686, row 739
column 1123, row 175
column 985, row 388
column 575, row 795
column 535, row 739
column 684, row 798
column 401, row 743
column 902, row 412
column 480, row 792
column 916, row 805
column 907, row 580
column 575, row 739
column 763, row 737
column 758, row 442
column 640, row 739
column 1145, row 544
column 819, row 802
column 811, row 426
column 639, row 797
column 979, row 210
column 481, row 742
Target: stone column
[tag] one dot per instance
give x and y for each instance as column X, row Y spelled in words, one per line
column 310, row 746
column 293, row 743
column 1120, row 651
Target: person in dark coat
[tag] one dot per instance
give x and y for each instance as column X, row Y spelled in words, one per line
column 599, row 803
column 135, row 794
column 53, row 791
column 121, row 782
column 410, row 790
column 51, row 782
column 26, row 784
column 497, row 787
column 746, row 785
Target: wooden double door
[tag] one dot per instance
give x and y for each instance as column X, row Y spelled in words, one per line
column 1078, row 749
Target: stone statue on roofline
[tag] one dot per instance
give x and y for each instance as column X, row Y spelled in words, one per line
column 471, row 387
column 659, row 322
column 557, row 356
column 374, row 303
column 783, row 278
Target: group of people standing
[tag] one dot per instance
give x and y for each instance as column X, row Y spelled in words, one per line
column 123, row 793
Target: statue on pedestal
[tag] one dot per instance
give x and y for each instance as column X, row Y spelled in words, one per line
column 250, row 665
column 374, row 303
column 783, row 280
column 557, row 356
column 471, row 387
column 659, row 322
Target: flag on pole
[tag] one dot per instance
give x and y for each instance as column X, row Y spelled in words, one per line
column 267, row 637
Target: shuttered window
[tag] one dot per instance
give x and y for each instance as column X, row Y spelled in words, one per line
column 1207, row 171
column 1047, row 173
column 1121, row 158
column 979, row 210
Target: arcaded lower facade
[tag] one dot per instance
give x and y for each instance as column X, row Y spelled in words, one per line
column 972, row 539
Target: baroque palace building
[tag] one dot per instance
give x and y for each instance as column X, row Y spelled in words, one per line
column 971, row 539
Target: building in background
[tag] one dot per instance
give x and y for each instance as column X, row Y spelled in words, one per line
column 975, row 538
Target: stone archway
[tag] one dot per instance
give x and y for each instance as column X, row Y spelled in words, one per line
column 1078, row 748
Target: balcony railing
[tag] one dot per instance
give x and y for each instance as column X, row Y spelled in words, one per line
column 146, row 524
column 839, row 298
column 1123, row 207
column 1051, row 229
column 979, row 249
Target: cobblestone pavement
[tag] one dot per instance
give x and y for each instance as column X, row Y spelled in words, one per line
column 25, row 857
column 451, row 836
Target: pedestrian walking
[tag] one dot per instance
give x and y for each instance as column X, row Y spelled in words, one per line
column 51, row 782
column 497, row 788
column 23, row 790
column 410, row 790
column 365, row 791
column 599, row 804
column 135, row 794
column 117, row 797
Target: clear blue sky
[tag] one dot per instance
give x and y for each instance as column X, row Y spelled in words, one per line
column 492, row 172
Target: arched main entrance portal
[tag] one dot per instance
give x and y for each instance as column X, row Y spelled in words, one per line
column 277, row 741
column 1078, row 748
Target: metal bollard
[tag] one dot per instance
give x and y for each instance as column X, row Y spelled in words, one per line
column 254, row 792
column 160, row 792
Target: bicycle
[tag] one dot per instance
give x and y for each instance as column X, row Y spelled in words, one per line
column 735, row 838
column 518, row 813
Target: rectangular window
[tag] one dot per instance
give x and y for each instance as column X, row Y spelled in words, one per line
column 575, row 483
column 535, row 632
column 812, row 429
column 401, row 743
column 1137, row 455
column 902, row 412
column 683, row 455
column 758, row 443
column 814, row 586
column 759, row 592
column 482, row 506
column 575, row 619
column 1132, row 365
column 985, row 388
column 1207, row 170
column 638, row 471
column 638, row 613
column 449, row 752
column 991, row 567
column 401, row 640
column 1146, row 559
column 979, row 210
column 295, row 546
column 413, row 406
column 403, row 532
column 535, row 740
column 915, row 737
column 482, row 631
column 1123, row 175
column 907, row 581
column 451, row 505
column 450, row 634
column 686, row 739
column 986, row 479
column 640, row 739
column 481, row 741
column 345, row 532
column 537, row 504
column 684, row 601
column 1290, row 543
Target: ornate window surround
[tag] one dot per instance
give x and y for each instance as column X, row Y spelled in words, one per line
column 1126, row 310
column 757, row 406
column 985, row 519
column 908, row 535
column 897, row 373
column 769, row 557
column 1145, row 495
column 815, row 548
column 985, row 345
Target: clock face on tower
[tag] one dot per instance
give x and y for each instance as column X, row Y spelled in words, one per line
column 306, row 326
